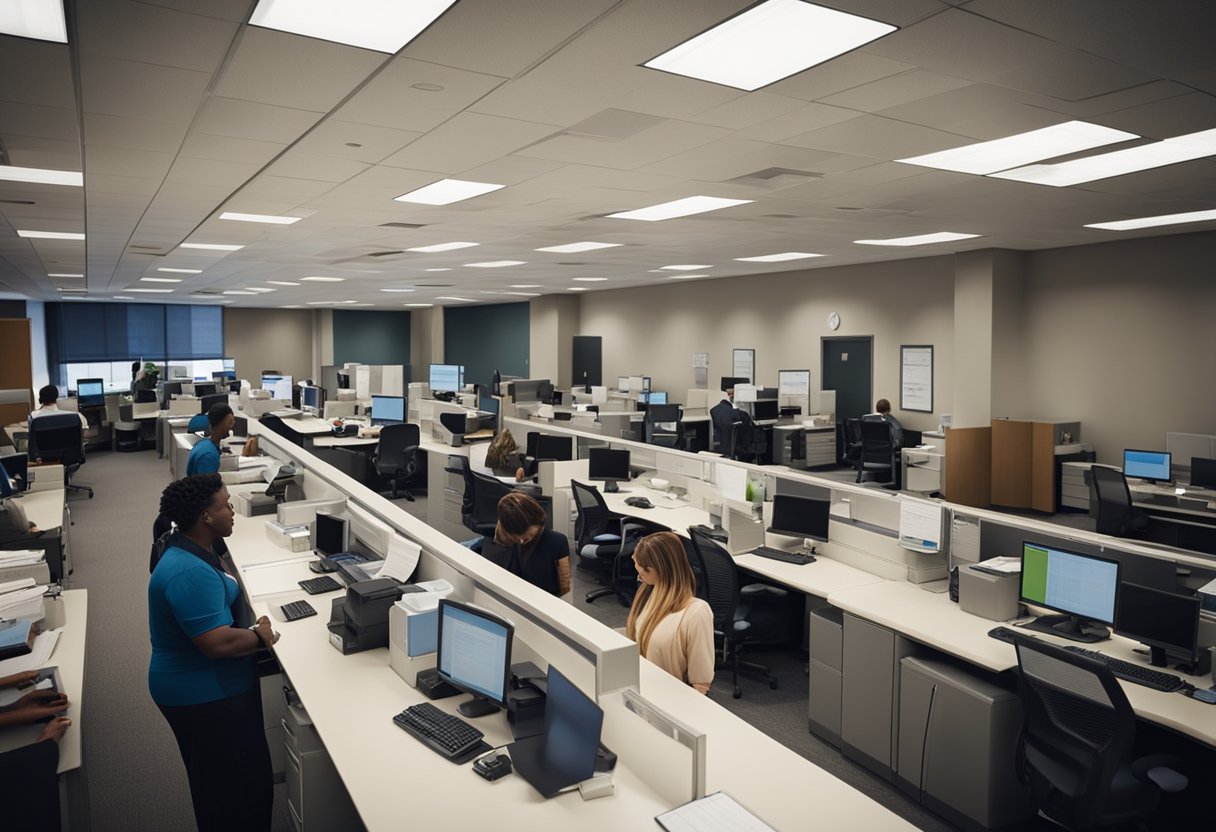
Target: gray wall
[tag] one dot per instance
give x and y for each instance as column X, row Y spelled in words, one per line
column 374, row 336
column 486, row 338
column 280, row 339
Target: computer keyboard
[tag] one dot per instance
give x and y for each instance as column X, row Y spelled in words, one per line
column 297, row 610
column 449, row 735
column 315, row 586
column 783, row 556
column 1132, row 672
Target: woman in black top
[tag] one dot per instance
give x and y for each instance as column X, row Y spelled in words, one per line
column 538, row 555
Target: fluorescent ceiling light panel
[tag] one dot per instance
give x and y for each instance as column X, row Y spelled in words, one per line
column 918, row 240
column 269, row 219
column 161, row 279
column 181, row 271
column 525, row 285
column 396, row 290
column 61, row 289
column 446, row 297
column 442, row 247
column 1022, row 149
column 41, row 176
column 522, row 294
column 778, row 258
column 591, row 279
column 683, row 268
column 575, row 248
column 292, row 306
column 282, row 283
column 1118, row 162
column 123, row 297
column 447, row 191
column 152, row 291
column 261, row 290
column 319, row 279
column 419, row 305
column 768, row 42
column 211, row 246
column 686, row 276
column 495, row 264
column 578, row 288
column 1150, row 222
column 50, row 235
column 37, row 19
column 679, row 208
column 438, row 270
column 60, row 274
column 238, row 292
column 380, row 25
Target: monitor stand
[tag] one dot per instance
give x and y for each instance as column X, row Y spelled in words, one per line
column 477, row 706
column 1071, row 627
column 613, row 487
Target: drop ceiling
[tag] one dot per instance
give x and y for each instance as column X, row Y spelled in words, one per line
column 177, row 112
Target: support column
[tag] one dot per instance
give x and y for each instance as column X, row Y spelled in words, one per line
column 553, row 323
column 426, row 340
column 989, row 337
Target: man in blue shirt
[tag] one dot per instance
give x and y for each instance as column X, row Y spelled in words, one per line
column 205, row 455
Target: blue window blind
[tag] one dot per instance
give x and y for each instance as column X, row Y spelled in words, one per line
column 195, row 332
column 80, row 332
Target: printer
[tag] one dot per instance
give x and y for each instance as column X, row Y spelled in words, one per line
column 359, row 621
column 413, row 633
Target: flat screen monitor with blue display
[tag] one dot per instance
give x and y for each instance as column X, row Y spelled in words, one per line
column 90, row 392
column 475, row 655
column 312, row 399
column 654, row 397
column 1081, row 587
column 388, row 410
column 278, row 385
column 1153, row 466
column 447, row 377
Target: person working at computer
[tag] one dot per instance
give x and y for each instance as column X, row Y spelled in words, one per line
column 202, row 674
column 883, row 413
column 35, row 705
column 48, row 399
column 724, row 415
column 674, row 629
column 205, row 455
column 538, row 555
column 503, row 456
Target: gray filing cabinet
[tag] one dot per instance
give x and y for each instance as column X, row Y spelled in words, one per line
column 826, row 648
column 957, row 735
column 317, row 800
column 274, row 708
column 869, row 711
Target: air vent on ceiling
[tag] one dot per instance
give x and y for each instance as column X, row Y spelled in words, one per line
column 206, row 292
column 385, row 253
column 613, row 125
column 18, row 201
column 773, row 178
column 433, row 285
column 780, row 216
column 402, row 225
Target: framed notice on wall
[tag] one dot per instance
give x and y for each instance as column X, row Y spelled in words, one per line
column 916, row 378
column 743, row 364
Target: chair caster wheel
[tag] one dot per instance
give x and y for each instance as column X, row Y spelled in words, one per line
column 772, row 685
column 738, row 694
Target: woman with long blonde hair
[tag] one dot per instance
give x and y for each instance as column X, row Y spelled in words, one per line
column 674, row 628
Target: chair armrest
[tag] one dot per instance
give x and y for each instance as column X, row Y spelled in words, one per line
column 752, row 591
column 606, row 538
column 1162, row 771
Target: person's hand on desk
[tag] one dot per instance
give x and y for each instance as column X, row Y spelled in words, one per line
column 34, row 706
column 55, row 729
column 266, row 632
column 19, row 680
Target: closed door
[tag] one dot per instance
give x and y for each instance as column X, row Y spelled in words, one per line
column 848, row 367
column 586, row 361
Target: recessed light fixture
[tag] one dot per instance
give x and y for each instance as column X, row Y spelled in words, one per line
column 152, row 291
column 321, row 302
column 292, row 306
column 522, row 294
column 269, row 219
column 261, row 290
column 686, row 276
column 918, row 240
column 419, row 305
column 778, row 258
column 211, row 246
column 1151, row 222
column 50, row 235
column 578, row 288
column 678, row 208
column 424, row 87
column 161, row 279
column 379, row 25
column 1022, row 149
column 683, row 268
column 37, row 19
column 525, row 285
column 591, row 279
column 768, row 42
column 442, row 247
column 575, row 248
column 62, row 289
column 40, row 176
column 1117, row 162
column 238, row 292
column 396, row 290
column 123, row 297
column 60, row 274
column 321, row 279
column 283, row 283
column 181, row 271
column 495, row 264
column 447, row 191
column 438, row 270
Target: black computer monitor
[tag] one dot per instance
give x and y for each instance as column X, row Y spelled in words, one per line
column 1203, row 472
column 765, row 411
column 475, row 655
column 1081, row 587
column 550, row 446
column 343, row 378
column 447, row 377
column 804, row 517
column 168, row 390
column 330, row 534
column 205, row 388
column 731, row 382
column 90, row 392
column 145, row 396
column 1165, row 621
column 565, row 753
column 486, row 402
column 1153, row 466
column 7, row 488
column 388, row 410
column 208, row 402
column 14, row 474
column 609, row 466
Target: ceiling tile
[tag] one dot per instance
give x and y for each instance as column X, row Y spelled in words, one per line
column 139, row 32
column 113, row 86
column 332, row 137
column 1073, row 76
column 651, row 145
column 29, row 152
column 211, row 172
column 392, row 98
column 234, row 10
column 135, row 134
column 40, row 122
column 878, row 137
column 119, row 161
column 228, row 149
column 36, row 72
column 895, row 89
column 468, row 140
column 747, row 110
column 249, row 120
column 839, row 74
column 296, row 164
column 534, row 99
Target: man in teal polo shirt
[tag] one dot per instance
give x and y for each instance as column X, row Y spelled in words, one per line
column 205, row 455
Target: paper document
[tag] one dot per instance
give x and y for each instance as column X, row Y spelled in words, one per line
column 44, row 646
column 717, row 812
column 20, row 583
column 733, row 482
column 21, row 557
column 1007, row 565
column 920, row 525
column 402, row 559
column 278, row 576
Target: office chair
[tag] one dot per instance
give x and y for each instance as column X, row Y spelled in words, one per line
column 624, row 578
column 32, row 786
column 396, row 455
column 1116, row 515
column 1075, row 751
column 597, row 531
column 663, row 426
column 274, row 424
column 487, row 491
column 744, row 615
column 143, row 395
column 460, row 465
column 59, row 437
column 877, row 451
column 198, row 423
column 747, row 441
column 851, row 440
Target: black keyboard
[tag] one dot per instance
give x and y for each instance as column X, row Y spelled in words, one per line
column 315, row 586
column 449, row 735
column 1132, row 672
column 297, row 610
column 783, row 556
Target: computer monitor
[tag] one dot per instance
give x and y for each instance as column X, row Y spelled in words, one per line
column 330, row 534
column 559, row 448
column 804, row 517
column 168, row 390
column 765, row 411
column 527, row 389
column 475, row 655
column 388, row 410
column 565, row 753
column 343, row 378
column 1165, row 621
column 312, row 399
column 1153, row 466
column 205, row 388
column 7, row 488
column 1082, row 587
column 622, row 384
column 224, row 376
column 1203, row 472
column 486, row 402
column 208, row 402
column 447, row 377
column 14, row 473
column 90, row 392
column 279, row 386
column 609, row 466
column 654, row 397
column 731, row 382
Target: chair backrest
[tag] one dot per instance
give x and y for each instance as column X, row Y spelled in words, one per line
column 487, row 491
column 397, row 446
column 274, row 424
column 1078, row 730
column 1114, row 500
column 460, row 465
column 876, row 445
column 633, row 529
column 58, row 438
column 454, row 422
column 718, row 582
column 593, row 513
column 852, row 428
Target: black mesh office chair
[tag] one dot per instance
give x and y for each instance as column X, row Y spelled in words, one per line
column 487, row 491
column 396, row 456
column 663, row 426
column 460, row 465
column 274, row 424
column 851, row 429
column 747, row 441
column 877, row 457
column 1076, row 747
column 1116, row 515
column 743, row 615
column 624, row 578
column 597, row 531
column 59, row 437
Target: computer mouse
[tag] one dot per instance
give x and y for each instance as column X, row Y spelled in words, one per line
column 320, row 566
column 639, row 502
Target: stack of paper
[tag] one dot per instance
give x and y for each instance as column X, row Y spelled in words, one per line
column 21, row 557
column 44, row 646
column 23, row 603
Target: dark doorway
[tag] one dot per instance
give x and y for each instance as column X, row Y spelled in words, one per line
column 586, row 361
column 848, row 368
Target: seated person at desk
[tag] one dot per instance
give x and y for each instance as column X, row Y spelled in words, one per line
column 882, row 413
column 503, row 456
column 205, row 455
column 724, row 414
column 35, row 705
column 48, row 398
column 538, row 555
column 674, row 629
